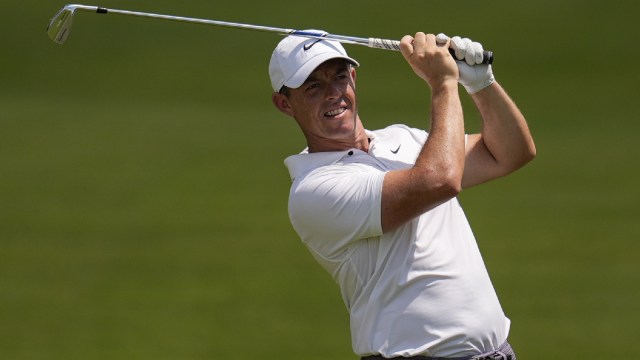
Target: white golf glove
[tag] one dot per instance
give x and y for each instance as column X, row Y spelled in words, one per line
column 474, row 75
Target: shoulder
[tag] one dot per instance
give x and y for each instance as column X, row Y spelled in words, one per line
column 400, row 132
column 399, row 144
column 346, row 172
column 304, row 163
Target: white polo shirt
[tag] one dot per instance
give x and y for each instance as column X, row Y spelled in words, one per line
column 421, row 289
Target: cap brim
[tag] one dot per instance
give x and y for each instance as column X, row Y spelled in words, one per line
column 303, row 73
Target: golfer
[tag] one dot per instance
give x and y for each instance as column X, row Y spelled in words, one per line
column 378, row 209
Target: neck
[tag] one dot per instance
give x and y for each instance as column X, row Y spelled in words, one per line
column 358, row 140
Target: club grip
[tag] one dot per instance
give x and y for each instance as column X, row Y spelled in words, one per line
column 487, row 56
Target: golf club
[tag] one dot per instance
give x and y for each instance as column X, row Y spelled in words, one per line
column 60, row 27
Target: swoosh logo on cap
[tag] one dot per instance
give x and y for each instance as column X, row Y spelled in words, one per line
column 309, row 46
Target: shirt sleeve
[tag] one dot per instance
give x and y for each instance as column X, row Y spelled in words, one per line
column 335, row 205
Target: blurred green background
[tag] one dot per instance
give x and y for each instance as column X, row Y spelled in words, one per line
column 143, row 196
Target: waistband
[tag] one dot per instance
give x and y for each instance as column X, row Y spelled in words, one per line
column 504, row 352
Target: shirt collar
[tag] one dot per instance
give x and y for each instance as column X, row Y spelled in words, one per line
column 304, row 162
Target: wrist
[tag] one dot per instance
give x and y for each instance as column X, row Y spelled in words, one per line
column 444, row 86
column 485, row 92
column 478, row 86
column 475, row 78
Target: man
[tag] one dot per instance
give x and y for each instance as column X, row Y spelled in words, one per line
column 378, row 209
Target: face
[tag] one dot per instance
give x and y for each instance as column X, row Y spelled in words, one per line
column 325, row 105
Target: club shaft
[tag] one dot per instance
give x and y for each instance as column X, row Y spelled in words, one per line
column 369, row 42
column 281, row 31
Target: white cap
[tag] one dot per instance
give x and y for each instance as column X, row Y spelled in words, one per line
column 295, row 58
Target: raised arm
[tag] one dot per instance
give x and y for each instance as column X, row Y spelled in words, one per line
column 437, row 174
column 504, row 144
column 446, row 164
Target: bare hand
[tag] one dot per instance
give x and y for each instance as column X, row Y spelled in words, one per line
column 429, row 60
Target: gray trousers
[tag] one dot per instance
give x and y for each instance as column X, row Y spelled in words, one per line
column 504, row 352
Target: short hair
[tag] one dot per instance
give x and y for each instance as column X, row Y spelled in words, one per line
column 284, row 90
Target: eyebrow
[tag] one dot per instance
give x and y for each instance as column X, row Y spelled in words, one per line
column 344, row 66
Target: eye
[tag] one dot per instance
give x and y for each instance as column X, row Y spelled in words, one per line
column 312, row 86
column 343, row 76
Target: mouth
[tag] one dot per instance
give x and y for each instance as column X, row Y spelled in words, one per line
column 336, row 112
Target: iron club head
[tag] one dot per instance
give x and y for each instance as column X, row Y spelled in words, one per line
column 60, row 25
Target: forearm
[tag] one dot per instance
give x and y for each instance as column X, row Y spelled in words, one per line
column 443, row 153
column 505, row 132
column 437, row 173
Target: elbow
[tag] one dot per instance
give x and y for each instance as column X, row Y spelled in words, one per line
column 532, row 151
column 529, row 154
column 434, row 185
column 412, row 192
column 451, row 187
column 448, row 184
column 518, row 162
column 524, row 156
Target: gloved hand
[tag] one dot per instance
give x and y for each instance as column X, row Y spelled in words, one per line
column 474, row 75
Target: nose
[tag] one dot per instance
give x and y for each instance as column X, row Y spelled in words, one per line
column 333, row 91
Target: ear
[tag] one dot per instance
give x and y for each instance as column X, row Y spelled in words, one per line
column 282, row 103
column 353, row 75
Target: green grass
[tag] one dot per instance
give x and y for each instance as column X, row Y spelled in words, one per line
column 143, row 195
column 152, row 237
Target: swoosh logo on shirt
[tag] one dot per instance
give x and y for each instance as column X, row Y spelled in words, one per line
column 396, row 150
